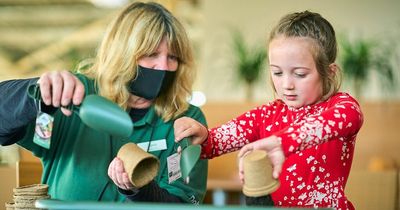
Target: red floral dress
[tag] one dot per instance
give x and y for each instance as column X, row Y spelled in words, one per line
column 318, row 142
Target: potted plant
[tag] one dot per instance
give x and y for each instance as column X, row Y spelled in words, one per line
column 361, row 57
column 249, row 62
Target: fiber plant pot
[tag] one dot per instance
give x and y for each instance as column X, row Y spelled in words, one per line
column 258, row 180
column 26, row 196
column 33, row 189
column 141, row 166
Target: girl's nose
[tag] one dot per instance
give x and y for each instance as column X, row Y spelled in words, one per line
column 288, row 83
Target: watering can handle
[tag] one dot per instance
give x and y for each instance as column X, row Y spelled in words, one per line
column 185, row 142
column 34, row 92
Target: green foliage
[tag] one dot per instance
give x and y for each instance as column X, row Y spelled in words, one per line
column 249, row 61
column 360, row 57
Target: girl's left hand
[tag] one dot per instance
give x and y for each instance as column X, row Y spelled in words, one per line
column 274, row 150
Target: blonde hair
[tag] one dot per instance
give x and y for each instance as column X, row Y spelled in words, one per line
column 136, row 32
column 322, row 35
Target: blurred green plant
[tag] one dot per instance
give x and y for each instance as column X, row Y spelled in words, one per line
column 359, row 58
column 249, row 62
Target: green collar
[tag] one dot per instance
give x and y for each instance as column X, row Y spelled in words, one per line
column 150, row 118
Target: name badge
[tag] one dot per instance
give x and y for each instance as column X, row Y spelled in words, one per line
column 43, row 130
column 174, row 168
column 155, row 145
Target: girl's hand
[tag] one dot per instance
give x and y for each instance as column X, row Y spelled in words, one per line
column 60, row 88
column 274, row 150
column 116, row 172
column 188, row 127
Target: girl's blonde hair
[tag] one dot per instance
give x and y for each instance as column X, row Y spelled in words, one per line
column 313, row 26
column 136, row 32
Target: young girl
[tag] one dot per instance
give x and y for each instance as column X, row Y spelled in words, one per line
column 309, row 131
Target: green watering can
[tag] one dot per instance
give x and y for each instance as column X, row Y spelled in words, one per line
column 190, row 154
column 98, row 113
column 102, row 114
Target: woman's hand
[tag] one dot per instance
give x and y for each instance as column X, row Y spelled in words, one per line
column 60, row 88
column 188, row 127
column 274, row 150
column 116, row 172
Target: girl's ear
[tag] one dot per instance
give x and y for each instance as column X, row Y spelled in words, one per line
column 333, row 67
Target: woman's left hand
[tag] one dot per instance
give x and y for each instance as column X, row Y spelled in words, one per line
column 117, row 173
column 188, row 127
column 274, row 150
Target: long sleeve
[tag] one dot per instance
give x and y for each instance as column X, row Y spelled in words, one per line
column 151, row 193
column 16, row 109
column 341, row 119
column 233, row 135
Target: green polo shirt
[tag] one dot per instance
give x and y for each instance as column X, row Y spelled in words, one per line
column 75, row 166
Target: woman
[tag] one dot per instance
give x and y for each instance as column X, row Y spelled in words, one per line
column 145, row 65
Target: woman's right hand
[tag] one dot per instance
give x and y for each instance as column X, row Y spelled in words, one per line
column 188, row 127
column 60, row 88
column 117, row 173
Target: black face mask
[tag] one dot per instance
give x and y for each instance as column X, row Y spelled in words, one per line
column 149, row 83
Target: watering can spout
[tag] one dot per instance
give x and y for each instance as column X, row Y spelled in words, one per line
column 104, row 115
column 189, row 156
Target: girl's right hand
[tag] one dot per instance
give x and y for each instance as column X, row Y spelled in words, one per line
column 272, row 146
column 117, row 173
column 188, row 127
column 60, row 88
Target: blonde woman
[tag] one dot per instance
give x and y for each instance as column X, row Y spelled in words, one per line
column 145, row 65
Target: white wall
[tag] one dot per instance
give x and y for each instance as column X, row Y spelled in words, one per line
column 367, row 18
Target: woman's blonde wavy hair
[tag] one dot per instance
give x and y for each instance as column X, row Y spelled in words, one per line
column 134, row 33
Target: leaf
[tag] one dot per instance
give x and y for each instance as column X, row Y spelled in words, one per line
column 360, row 57
column 249, row 61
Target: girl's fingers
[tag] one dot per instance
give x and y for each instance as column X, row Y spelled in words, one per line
column 246, row 149
column 241, row 173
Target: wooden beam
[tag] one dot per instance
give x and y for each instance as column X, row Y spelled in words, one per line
column 41, row 2
column 51, row 52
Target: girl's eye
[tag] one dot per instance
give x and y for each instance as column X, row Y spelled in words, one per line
column 277, row 73
column 301, row 75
